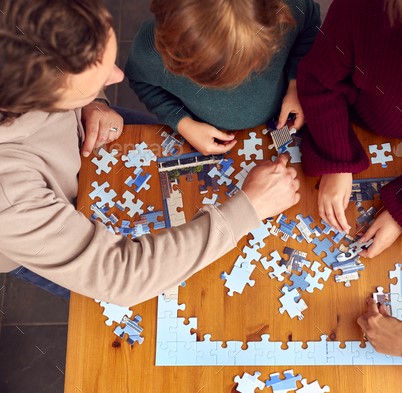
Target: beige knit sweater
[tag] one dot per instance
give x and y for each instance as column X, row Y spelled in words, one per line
column 41, row 230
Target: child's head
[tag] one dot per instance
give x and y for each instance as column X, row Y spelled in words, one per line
column 219, row 43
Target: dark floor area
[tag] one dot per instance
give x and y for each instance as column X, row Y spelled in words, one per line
column 33, row 323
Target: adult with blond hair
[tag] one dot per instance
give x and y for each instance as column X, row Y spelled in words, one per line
column 212, row 65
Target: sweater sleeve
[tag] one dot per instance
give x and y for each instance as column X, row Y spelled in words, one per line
column 49, row 237
column 326, row 90
column 391, row 196
column 145, row 71
column 307, row 15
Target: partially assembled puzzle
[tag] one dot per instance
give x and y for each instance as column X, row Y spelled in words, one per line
column 176, row 341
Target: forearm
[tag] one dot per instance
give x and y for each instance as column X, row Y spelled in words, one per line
column 62, row 245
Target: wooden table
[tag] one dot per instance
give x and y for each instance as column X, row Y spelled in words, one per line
column 98, row 361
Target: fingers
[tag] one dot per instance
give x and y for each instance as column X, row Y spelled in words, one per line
column 91, row 137
column 219, row 148
column 341, row 218
column 282, row 160
column 223, row 136
column 376, row 247
column 362, row 322
column 299, row 121
column 327, row 213
column 372, row 305
column 384, row 310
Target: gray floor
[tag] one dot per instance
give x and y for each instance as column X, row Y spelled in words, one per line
column 33, row 323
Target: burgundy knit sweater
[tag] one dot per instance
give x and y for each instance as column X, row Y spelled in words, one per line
column 355, row 65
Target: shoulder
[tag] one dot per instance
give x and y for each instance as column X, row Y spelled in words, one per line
column 306, row 14
column 143, row 54
column 144, row 41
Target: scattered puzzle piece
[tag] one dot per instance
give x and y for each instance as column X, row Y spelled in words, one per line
column 132, row 329
column 248, row 383
column 113, row 312
column 379, row 154
column 314, row 281
column 250, row 147
column 241, row 176
column 313, row 387
column 238, row 278
column 106, row 197
column 133, row 207
column 279, row 385
column 140, row 180
column 107, row 158
column 140, row 156
column 278, row 270
column 290, row 305
column 100, row 212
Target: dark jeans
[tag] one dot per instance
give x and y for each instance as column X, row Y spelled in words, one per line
column 27, row 275
column 130, row 116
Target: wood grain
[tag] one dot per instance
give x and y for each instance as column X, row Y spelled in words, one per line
column 98, row 361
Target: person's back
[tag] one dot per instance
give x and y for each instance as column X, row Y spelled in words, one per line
column 221, row 64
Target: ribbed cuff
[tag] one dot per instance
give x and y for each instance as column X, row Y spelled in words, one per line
column 173, row 119
column 240, row 214
column 391, row 196
column 316, row 165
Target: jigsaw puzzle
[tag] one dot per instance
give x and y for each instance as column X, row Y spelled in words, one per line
column 140, row 180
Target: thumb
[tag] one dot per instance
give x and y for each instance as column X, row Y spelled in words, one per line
column 224, row 148
column 299, row 121
column 384, row 310
column 223, row 136
column 369, row 234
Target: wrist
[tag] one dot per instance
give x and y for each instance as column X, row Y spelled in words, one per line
column 184, row 124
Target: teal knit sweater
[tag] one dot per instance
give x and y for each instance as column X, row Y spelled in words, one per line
column 256, row 100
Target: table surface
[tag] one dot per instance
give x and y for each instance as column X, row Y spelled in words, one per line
column 99, row 361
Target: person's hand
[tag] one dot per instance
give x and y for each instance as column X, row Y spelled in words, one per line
column 204, row 137
column 382, row 331
column 385, row 230
column 101, row 124
column 291, row 104
column 333, row 199
column 272, row 187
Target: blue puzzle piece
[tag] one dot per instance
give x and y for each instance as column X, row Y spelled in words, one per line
column 283, row 385
column 132, row 329
column 140, row 180
column 299, row 282
column 321, row 246
column 331, row 256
